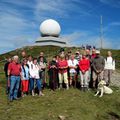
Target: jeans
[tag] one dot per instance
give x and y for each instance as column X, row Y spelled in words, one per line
column 14, row 86
column 38, row 82
column 32, row 82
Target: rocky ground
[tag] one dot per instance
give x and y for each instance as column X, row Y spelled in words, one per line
column 116, row 78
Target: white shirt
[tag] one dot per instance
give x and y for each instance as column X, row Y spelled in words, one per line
column 109, row 63
column 34, row 71
column 72, row 63
column 30, row 63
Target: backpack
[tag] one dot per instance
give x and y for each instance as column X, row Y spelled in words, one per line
column 112, row 59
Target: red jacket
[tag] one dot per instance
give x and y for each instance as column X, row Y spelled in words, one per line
column 84, row 64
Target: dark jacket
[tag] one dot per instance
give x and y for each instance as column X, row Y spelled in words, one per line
column 6, row 68
column 98, row 63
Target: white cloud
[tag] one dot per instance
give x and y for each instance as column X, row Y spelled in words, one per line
column 79, row 38
column 14, row 28
column 60, row 8
column 15, row 42
column 113, row 3
column 19, row 3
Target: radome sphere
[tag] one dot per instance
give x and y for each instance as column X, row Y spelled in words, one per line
column 50, row 27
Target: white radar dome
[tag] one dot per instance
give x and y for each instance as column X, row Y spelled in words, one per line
column 50, row 27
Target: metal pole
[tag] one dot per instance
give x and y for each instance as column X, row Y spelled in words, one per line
column 101, row 31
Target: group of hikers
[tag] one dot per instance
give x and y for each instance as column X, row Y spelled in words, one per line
column 85, row 69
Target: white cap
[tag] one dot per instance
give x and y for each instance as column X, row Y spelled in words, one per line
column 97, row 52
column 77, row 52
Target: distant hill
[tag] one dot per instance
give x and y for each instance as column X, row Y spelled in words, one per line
column 35, row 50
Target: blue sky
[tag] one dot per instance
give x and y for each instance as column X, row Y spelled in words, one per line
column 79, row 20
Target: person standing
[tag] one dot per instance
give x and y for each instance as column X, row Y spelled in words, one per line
column 30, row 64
column 72, row 64
column 9, row 60
column 42, row 72
column 88, row 55
column 98, row 64
column 23, row 56
column 42, row 56
column 14, row 72
column 78, row 57
column 53, row 74
column 93, row 54
column 24, row 77
column 109, row 68
column 30, row 61
column 62, row 71
column 42, row 61
column 35, row 78
column 84, row 66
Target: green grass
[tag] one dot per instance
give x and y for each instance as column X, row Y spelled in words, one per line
column 73, row 104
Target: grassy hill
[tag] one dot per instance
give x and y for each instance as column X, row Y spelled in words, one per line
column 73, row 104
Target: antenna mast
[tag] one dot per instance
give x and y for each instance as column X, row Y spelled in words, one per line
column 101, row 31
